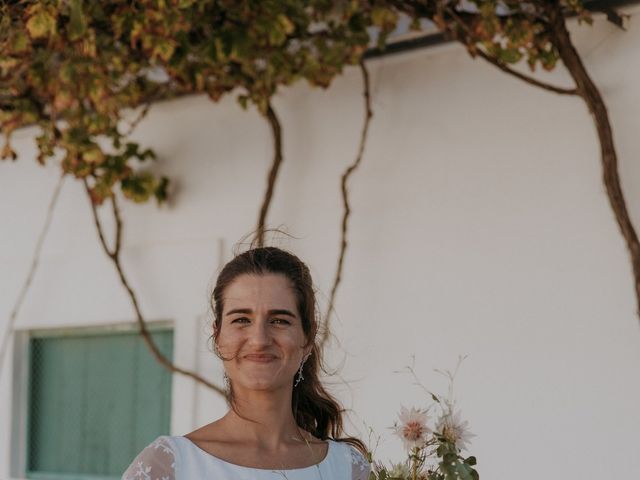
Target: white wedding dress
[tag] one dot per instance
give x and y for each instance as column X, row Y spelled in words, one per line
column 178, row 458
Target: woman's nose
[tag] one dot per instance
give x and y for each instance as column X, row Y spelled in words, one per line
column 259, row 333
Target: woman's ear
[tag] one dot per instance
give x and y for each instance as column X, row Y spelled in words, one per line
column 214, row 343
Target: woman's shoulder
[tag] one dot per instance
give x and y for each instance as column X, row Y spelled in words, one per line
column 360, row 466
column 156, row 460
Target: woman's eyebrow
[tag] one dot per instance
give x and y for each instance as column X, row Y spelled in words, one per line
column 278, row 311
column 281, row 312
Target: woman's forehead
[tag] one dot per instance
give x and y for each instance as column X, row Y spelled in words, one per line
column 269, row 291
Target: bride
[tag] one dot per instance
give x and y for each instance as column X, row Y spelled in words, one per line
column 281, row 423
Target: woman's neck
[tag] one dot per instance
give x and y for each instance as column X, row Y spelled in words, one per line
column 273, row 426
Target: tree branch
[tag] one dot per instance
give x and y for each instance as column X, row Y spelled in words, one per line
column 526, row 78
column 345, row 201
column 276, row 129
column 609, row 158
column 138, row 119
column 32, row 270
column 470, row 39
column 144, row 332
column 160, row 93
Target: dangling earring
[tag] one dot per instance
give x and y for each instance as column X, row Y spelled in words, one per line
column 300, row 377
column 227, row 382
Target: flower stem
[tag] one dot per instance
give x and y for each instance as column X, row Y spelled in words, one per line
column 414, row 461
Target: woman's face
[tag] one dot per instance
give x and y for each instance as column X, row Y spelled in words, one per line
column 262, row 330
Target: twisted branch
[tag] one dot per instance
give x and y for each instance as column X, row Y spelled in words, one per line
column 276, row 130
column 470, row 39
column 530, row 80
column 609, row 157
column 138, row 119
column 345, row 200
column 158, row 94
column 114, row 255
column 32, row 270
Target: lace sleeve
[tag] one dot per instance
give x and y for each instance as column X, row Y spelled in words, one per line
column 360, row 467
column 155, row 462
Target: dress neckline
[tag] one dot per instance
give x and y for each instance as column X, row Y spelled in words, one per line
column 213, row 457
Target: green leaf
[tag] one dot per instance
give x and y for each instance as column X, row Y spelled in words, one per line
column 161, row 191
column 464, row 471
column 66, row 72
column 77, row 21
column 509, row 55
column 139, row 187
column 243, row 100
column 20, row 42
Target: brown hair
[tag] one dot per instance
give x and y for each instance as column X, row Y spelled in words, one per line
column 314, row 409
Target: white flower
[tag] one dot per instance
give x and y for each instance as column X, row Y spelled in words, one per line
column 454, row 429
column 413, row 428
column 399, row 470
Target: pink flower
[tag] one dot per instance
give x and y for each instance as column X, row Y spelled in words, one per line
column 455, row 430
column 413, row 428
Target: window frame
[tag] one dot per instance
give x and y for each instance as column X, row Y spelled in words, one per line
column 21, row 394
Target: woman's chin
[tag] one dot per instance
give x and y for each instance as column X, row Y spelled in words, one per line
column 262, row 384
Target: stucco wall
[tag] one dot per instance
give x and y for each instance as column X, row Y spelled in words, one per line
column 480, row 227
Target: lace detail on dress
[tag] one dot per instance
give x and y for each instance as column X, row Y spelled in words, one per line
column 155, row 462
column 360, row 467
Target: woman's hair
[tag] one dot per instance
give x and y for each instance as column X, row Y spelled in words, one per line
column 314, row 409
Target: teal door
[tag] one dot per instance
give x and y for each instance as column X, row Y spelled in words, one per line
column 95, row 401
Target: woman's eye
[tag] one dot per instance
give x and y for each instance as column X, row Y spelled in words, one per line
column 240, row 320
column 282, row 321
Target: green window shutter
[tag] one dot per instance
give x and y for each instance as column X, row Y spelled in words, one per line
column 96, row 400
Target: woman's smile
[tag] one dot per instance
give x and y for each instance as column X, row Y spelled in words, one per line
column 260, row 358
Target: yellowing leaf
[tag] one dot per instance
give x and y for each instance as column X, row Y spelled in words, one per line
column 97, row 92
column 42, row 22
column 7, row 152
column 287, row 24
column 62, row 100
column 384, row 18
column 164, row 49
column 93, row 155
column 6, row 64
column 88, row 45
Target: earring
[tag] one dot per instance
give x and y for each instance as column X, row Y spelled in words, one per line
column 226, row 381
column 300, row 377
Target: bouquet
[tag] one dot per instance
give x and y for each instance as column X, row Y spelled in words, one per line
column 434, row 453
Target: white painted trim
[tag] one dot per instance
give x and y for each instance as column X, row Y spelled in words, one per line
column 19, row 405
column 71, row 330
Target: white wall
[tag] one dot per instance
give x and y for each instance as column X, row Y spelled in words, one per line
column 480, row 227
